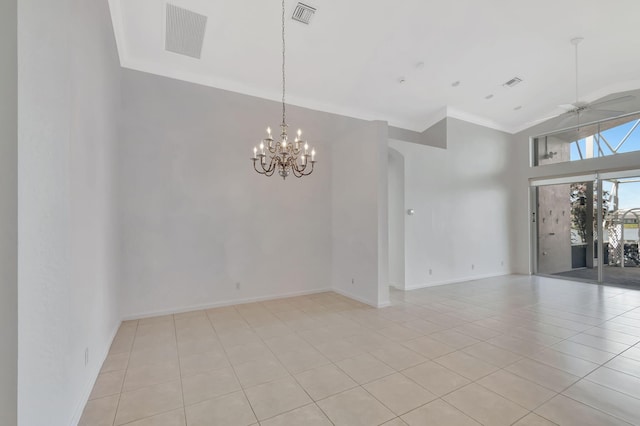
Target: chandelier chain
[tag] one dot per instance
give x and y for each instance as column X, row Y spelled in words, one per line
column 284, row 116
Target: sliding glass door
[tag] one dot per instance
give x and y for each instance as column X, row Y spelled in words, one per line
column 620, row 223
column 588, row 229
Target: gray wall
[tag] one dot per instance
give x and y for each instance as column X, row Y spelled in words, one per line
column 8, row 213
column 196, row 219
column 69, row 99
column 359, row 213
column 435, row 135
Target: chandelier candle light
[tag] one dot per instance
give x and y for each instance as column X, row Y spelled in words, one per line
column 284, row 157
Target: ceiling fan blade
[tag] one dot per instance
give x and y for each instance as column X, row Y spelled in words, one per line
column 568, row 121
column 617, row 100
column 591, row 115
column 608, row 112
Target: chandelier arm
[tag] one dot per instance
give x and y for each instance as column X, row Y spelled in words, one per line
column 310, row 171
column 303, row 171
column 256, row 169
column 296, row 171
column 265, row 171
column 303, row 168
column 272, row 167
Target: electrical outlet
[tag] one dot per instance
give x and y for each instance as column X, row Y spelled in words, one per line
column 237, row 286
column 86, row 357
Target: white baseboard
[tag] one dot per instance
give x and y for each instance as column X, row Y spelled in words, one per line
column 190, row 308
column 358, row 298
column 397, row 286
column 88, row 387
column 457, row 280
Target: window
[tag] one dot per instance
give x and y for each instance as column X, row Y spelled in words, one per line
column 605, row 138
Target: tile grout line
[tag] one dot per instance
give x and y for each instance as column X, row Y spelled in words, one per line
column 231, row 364
column 294, row 378
column 175, row 332
column 115, row 415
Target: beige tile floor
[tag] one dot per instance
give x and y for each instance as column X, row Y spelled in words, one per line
column 513, row 350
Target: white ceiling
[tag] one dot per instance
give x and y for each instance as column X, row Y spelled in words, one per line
column 350, row 58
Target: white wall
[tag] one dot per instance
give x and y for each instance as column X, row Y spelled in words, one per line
column 69, row 98
column 396, row 219
column 359, row 161
column 8, row 213
column 461, row 196
column 196, row 219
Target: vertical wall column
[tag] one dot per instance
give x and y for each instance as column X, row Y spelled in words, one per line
column 8, row 213
column 359, row 214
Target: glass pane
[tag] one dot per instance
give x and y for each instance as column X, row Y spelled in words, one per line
column 622, row 214
column 566, row 230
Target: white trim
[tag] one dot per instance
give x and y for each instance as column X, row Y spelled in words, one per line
column 563, row 179
column 117, row 24
column 270, row 95
column 458, row 280
column 474, row 119
column 357, row 298
column 88, row 387
column 150, row 314
column 434, row 118
column 620, row 174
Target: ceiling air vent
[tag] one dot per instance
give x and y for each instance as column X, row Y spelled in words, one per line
column 513, row 82
column 303, row 13
column 185, row 31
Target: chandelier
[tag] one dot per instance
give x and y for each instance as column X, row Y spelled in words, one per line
column 283, row 156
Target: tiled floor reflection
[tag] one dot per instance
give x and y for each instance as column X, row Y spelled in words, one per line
column 513, row 350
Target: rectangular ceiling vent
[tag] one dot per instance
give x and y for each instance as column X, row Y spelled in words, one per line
column 184, row 31
column 303, row 13
column 514, row 81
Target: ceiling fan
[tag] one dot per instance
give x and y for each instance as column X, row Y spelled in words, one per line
column 584, row 112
